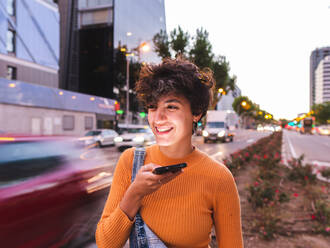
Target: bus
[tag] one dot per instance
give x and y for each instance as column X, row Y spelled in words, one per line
column 307, row 125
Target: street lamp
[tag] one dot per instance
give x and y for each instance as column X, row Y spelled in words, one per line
column 144, row 46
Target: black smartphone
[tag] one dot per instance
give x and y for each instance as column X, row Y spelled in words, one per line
column 170, row 168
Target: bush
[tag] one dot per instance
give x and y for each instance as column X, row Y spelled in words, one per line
column 267, row 225
column 262, row 194
column 325, row 173
column 322, row 216
column 301, row 173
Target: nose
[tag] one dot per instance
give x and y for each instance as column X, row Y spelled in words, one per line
column 159, row 115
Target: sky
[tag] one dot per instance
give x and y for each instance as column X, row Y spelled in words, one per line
column 267, row 43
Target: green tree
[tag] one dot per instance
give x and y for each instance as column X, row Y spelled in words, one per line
column 162, row 44
column 179, row 41
column 201, row 51
column 322, row 113
column 224, row 82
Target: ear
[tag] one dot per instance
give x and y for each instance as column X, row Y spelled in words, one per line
column 196, row 118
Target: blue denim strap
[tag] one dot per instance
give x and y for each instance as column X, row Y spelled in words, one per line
column 138, row 238
column 141, row 235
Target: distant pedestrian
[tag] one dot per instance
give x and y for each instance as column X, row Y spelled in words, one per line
column 181, row 207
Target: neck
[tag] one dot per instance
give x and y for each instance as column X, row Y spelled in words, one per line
column 177, row 151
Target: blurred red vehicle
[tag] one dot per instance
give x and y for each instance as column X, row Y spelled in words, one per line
column 49, row 196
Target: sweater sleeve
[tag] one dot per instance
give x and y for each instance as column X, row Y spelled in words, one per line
column 114, row 226
column 227, row 213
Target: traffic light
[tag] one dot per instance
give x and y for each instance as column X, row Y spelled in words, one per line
column 120, row 111
column 142, row 114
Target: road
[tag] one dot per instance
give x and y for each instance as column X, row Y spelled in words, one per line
column 316, row 148
column 218, row 151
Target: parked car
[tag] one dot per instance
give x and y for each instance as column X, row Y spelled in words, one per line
column 98, row 138
column 323, row 130
column 49, row 196
column 134, row 135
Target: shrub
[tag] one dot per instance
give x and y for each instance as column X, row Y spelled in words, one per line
column 322, row 216
column 301, row 173
column 325, row 173
column 262, row 194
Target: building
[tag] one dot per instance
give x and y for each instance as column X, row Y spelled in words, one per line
column 227, row 100
column 322, row 81
column 30, row 101
column 40, row 110
column 29, row 41
column 93, row 33
column 316, row 57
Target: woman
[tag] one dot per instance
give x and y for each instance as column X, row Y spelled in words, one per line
column 180, row 208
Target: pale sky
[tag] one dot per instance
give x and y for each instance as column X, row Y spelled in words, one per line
column 267, row 43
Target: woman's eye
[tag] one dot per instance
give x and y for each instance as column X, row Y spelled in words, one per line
column 172, row 107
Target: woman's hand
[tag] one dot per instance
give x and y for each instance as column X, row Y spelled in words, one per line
column 146, row 182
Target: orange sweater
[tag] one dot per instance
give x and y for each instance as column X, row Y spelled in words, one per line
column 182, row 211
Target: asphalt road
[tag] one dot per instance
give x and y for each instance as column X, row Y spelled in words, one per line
column 315, row 148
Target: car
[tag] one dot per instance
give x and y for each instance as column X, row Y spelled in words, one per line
column 49, row 195
column 98, row 138
column 323, row 130
column 134, row 136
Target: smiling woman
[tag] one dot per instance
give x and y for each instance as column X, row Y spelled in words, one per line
column 179, row 207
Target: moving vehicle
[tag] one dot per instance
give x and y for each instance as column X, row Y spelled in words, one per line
column 307, row 125
column 49, row 196
column 98, row 138
column 216, row 127
column 134, row 136
column 323, row 130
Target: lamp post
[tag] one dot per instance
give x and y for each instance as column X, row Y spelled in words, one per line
column 144, row 47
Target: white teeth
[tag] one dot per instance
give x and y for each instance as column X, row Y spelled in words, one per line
column 163, row 129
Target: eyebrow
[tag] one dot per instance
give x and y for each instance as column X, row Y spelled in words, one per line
column 173, row 100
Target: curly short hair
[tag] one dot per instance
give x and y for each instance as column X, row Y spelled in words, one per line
column 179, row 77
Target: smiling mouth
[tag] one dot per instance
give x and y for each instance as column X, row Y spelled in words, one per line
column 163, row 130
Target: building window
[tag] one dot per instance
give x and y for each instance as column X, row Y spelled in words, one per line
column 11, row 72
column 68, row 122
column 11, row 7
column 88, row 122
column 11, row 41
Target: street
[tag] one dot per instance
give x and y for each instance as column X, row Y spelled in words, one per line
column 314, row 147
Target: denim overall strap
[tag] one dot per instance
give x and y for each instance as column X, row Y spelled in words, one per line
column 141, row 235
column 138, row 238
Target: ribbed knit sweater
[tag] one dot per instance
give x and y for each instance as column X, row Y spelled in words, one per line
column 182, row 211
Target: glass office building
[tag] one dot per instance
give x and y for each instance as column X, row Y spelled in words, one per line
column 92, row 33
column 29, row 41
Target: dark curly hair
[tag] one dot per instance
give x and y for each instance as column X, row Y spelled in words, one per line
column 179, row 77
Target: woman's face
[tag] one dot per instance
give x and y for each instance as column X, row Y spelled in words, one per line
column 171, row 121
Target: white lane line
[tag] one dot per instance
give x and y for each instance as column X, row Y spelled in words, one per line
column 216, row 154
column 291, row 148
column 250, row 141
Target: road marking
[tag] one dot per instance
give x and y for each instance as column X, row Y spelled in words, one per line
column 291, row 147
column 250, row 141
column 216, row 154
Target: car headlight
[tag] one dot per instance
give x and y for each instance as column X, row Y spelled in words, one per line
column 138, row 139
column 118, row 139
column 221, row 133
column 205, row 133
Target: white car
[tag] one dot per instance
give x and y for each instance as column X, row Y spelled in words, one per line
column 98, row 138
column 323, row 130
column 134, row 136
